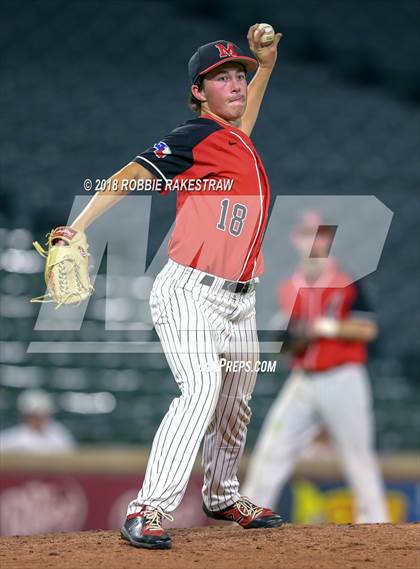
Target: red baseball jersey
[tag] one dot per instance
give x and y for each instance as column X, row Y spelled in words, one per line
column 217, row 230
column 330, row 296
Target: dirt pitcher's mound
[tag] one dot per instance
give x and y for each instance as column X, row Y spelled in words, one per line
column 218, row 547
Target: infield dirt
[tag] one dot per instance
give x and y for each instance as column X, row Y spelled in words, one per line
column 374, row 546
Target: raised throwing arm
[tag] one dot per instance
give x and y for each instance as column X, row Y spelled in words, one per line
column 267, row 59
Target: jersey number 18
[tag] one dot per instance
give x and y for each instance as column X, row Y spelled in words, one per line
column 237, row 219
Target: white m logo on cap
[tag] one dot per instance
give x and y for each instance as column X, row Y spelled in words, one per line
column 228, row 51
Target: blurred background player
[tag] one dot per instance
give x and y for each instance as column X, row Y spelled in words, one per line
column 38, row 432
column 329, row 328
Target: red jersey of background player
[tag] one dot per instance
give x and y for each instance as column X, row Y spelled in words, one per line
column 329, row 296
column 216, row 232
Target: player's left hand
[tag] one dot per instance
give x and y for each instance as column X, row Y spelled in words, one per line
column 266, row 55
column 66, row 268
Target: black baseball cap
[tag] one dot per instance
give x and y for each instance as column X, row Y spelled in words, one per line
column 211, row 55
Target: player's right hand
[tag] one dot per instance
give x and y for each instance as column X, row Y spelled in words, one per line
column 266, row 55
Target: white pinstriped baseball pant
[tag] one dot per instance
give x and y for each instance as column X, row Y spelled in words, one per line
column 197, row 324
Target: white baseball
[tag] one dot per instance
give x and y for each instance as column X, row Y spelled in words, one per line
column 268, row 36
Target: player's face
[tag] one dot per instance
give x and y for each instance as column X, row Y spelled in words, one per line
column 225, row 90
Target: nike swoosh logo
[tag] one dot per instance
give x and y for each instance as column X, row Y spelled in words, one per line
column 232, row 142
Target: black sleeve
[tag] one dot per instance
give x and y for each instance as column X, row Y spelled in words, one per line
column 360, row 306
column 173, row 155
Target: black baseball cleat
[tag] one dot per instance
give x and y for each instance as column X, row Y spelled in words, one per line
column 144, row 529
column 246, row 514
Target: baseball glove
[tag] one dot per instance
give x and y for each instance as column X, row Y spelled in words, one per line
column 66, row 268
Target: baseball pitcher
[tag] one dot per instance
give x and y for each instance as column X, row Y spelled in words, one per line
column 203, row 301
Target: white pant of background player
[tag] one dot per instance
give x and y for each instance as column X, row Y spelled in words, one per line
column 338, row 400
column 196, row 324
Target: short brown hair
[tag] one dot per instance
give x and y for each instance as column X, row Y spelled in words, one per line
column 193, row 102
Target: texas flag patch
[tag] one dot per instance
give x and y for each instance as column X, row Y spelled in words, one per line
column 161, row 149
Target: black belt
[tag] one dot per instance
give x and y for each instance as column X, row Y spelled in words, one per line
column 231, row 286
